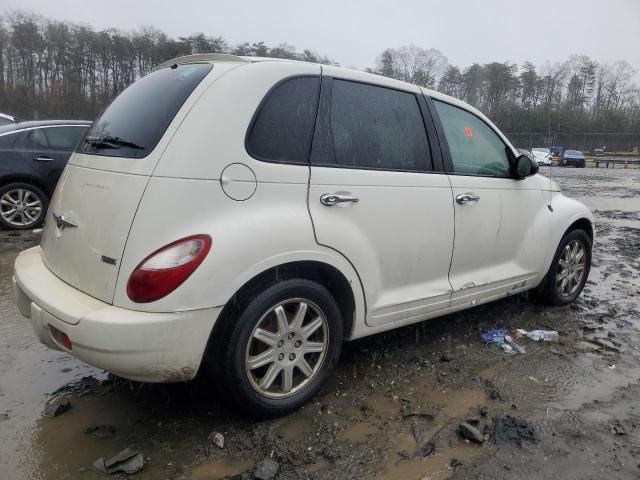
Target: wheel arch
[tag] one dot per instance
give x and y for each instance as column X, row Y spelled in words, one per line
column 348, row 296
column 24, row 178
column 582, row 223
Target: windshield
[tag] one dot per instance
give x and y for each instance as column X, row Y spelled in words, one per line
column 573, row 153
column 136, row 120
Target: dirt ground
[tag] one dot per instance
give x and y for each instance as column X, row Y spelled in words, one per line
column 392, row 409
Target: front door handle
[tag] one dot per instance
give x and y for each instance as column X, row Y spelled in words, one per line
column 43, row 158
column 463, row 198
column 330, row 199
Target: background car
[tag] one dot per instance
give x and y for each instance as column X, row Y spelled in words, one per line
column 542, row 156
column 32, row 157
column 573, row 157
column 6, row 119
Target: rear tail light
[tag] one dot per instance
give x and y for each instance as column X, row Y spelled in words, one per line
column 166, row 269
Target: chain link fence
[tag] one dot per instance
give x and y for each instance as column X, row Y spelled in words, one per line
column 588, row 142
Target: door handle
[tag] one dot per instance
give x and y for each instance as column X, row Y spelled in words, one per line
column 463, row 198
column 43, row 159
column 330, row 199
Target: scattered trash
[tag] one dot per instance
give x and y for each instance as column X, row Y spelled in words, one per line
column 101, row 431
column 484, row 411
column 534, row 379
column 217, row 438
column 502, row 340
column 266, row 469
column 470, row 432
column 544, row 335
column 618, row 429
column 493, row 335
column 511, row 430
column 455, row 463
column 612, row 367
column 55, row 407
column 414, row 411
column 127, row 461
column 426, row 449
column 516, row 346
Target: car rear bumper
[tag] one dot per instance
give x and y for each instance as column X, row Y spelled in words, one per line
column 148, row 347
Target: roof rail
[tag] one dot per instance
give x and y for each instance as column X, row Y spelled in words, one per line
column 202, row 57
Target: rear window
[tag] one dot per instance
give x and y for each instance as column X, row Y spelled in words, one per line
column 136, row 120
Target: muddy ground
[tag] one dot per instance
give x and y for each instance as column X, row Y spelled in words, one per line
column 393, row 407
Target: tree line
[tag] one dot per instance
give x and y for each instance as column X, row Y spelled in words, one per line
column 56, row 69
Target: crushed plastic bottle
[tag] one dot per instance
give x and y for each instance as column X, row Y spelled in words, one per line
column 543, row 335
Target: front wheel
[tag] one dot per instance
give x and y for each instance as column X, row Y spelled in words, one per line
column 281, row 347
column 569, row 270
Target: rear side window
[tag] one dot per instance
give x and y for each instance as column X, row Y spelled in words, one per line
column 283, row 128
column 136, row 120
column 475, row 148
column 64, row 138
column 34, row 140
column 376, row 128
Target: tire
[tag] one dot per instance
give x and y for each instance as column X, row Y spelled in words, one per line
column 15, row 213
column 246, row 363
column 549, row 292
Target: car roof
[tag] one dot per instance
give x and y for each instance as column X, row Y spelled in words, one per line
column 14, row 127
column 360, row 75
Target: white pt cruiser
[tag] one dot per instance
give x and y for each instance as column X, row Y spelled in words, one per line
column 241, row 217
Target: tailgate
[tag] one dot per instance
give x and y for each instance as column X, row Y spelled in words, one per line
column 87, row 226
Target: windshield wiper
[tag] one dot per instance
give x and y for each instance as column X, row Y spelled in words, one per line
column 109, row 141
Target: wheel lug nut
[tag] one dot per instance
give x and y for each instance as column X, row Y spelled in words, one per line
column 298, row 343
column 281, row 356
column 280, row 343
column 292, row 356
column 290, row 336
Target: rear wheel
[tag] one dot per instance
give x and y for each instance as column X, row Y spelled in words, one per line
column 22, row 206
column 281, row 347
column 569, row 270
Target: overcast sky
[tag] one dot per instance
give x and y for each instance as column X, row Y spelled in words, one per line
column 354, row 33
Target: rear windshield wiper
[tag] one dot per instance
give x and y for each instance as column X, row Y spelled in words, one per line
column 109, row 141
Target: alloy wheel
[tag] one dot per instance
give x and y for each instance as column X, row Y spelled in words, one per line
column 286, row 348
column 572, row 265
column 20, row 207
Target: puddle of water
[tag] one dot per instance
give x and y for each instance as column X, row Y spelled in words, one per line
column 436, row 466
column 383, row 406
column 222, row 468
column 359, row 433
column 297, row 426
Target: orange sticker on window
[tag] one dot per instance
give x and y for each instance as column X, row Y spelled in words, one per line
column 468, row 131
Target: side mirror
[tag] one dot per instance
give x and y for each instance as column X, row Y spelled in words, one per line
column 525, row 166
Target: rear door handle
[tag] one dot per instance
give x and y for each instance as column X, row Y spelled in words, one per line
column 330, row 199
column 43, row 159
column 463, row 198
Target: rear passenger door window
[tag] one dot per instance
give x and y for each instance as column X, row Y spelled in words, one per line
column 372, row 127
column 283, row 127
column 475, row 148
column 64, row 138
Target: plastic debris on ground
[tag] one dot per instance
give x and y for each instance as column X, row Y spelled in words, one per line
column 127, row 461
column 502, row 340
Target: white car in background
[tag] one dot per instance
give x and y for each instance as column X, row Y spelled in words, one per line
column 241, row 217
column 542, row 156
column 6, row 119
